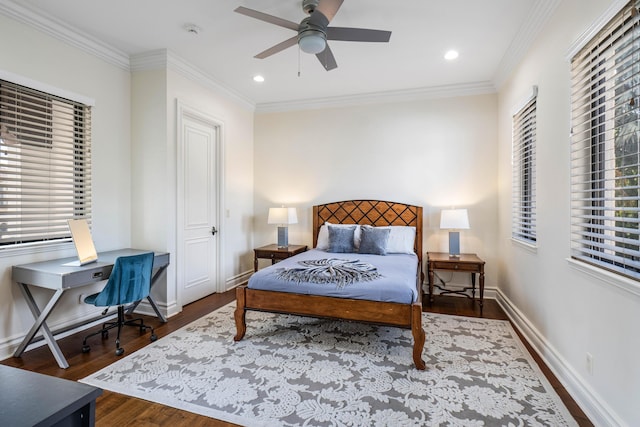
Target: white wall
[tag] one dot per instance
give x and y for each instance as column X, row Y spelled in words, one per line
column 567, row 313
column 155, row 94
column 434, row 153
column 235, row 226
column 151, row 168
column 33, row 55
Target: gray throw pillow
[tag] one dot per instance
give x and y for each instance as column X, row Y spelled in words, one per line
column 341, row 239
column 374, row 240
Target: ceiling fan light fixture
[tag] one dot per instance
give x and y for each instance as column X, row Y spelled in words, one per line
column 312, row 41
column 314, row 31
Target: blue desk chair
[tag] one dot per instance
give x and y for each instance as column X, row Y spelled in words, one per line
column 130, row 281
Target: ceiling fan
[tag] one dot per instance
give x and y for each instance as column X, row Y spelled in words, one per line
column 314, row 31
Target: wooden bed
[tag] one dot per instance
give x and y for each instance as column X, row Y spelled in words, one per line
column 369, row 212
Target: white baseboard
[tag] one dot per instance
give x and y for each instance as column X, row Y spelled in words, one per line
column 167, row 309
column 598, row 411
column 238, row 280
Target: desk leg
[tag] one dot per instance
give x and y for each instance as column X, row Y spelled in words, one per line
column 155, row 307
column 40, row 322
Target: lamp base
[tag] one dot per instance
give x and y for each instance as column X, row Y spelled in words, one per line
column 283, row 237
column 454, row 244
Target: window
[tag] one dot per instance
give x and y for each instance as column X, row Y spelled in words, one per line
column 45, row 165
column 605, row 153
column 523, row 191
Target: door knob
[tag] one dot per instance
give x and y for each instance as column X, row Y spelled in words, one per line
column 213, row 230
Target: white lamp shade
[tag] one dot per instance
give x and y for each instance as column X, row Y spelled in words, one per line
column 282, row 216
column 454, row 219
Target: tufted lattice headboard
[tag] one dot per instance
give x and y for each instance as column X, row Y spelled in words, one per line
column 370, row 212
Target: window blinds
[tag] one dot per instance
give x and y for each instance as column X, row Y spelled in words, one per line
column 523, row 190
column 605, row 153
column 45, row 164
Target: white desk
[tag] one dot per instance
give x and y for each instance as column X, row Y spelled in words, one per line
column 55, row 275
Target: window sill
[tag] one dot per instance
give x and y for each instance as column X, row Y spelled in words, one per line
column 36, row 248
column 524, row 245
column 607, row 277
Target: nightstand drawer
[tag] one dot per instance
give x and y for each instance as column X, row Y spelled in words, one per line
column 271, row 255
column 455, row 266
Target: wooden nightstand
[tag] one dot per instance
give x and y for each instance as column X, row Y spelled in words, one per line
column 275, row 254
column 466, row 263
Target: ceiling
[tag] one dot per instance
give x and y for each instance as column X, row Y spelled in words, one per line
column 489, row 36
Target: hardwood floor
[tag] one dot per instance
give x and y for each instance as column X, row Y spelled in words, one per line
column 116, row 409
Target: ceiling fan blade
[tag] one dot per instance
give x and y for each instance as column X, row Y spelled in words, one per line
column 357, row 34
column 329, row 8
column 267, row 18
column 327, row 59
column 278, row 48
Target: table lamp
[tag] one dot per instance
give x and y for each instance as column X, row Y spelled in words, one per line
column 454, row 219
column 282, row 217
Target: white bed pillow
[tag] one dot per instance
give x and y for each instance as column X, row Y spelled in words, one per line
column 323, row 235
column 401, row 239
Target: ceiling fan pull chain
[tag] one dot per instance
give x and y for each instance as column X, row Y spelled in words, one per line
column 298, row 61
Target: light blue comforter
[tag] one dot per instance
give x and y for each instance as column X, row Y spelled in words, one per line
column 396, row 284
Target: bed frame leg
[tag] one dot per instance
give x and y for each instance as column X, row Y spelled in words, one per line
column 239, row 315
column 418, row 336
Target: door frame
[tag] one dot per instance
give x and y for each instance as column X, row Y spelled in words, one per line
column 186, row 111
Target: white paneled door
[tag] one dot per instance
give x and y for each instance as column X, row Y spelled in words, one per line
column 197, row 257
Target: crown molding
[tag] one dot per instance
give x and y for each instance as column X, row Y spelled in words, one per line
column 405, row 95
column 149, row 60
column 61, row 31
column 165, row 59
column 538, row 17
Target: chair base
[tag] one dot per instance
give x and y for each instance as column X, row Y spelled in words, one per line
column 119, row 323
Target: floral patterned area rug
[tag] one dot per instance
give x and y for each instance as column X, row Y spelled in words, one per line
column 291, row 371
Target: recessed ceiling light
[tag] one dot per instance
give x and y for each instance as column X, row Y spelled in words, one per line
column 451, row 55
column 258, row 78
